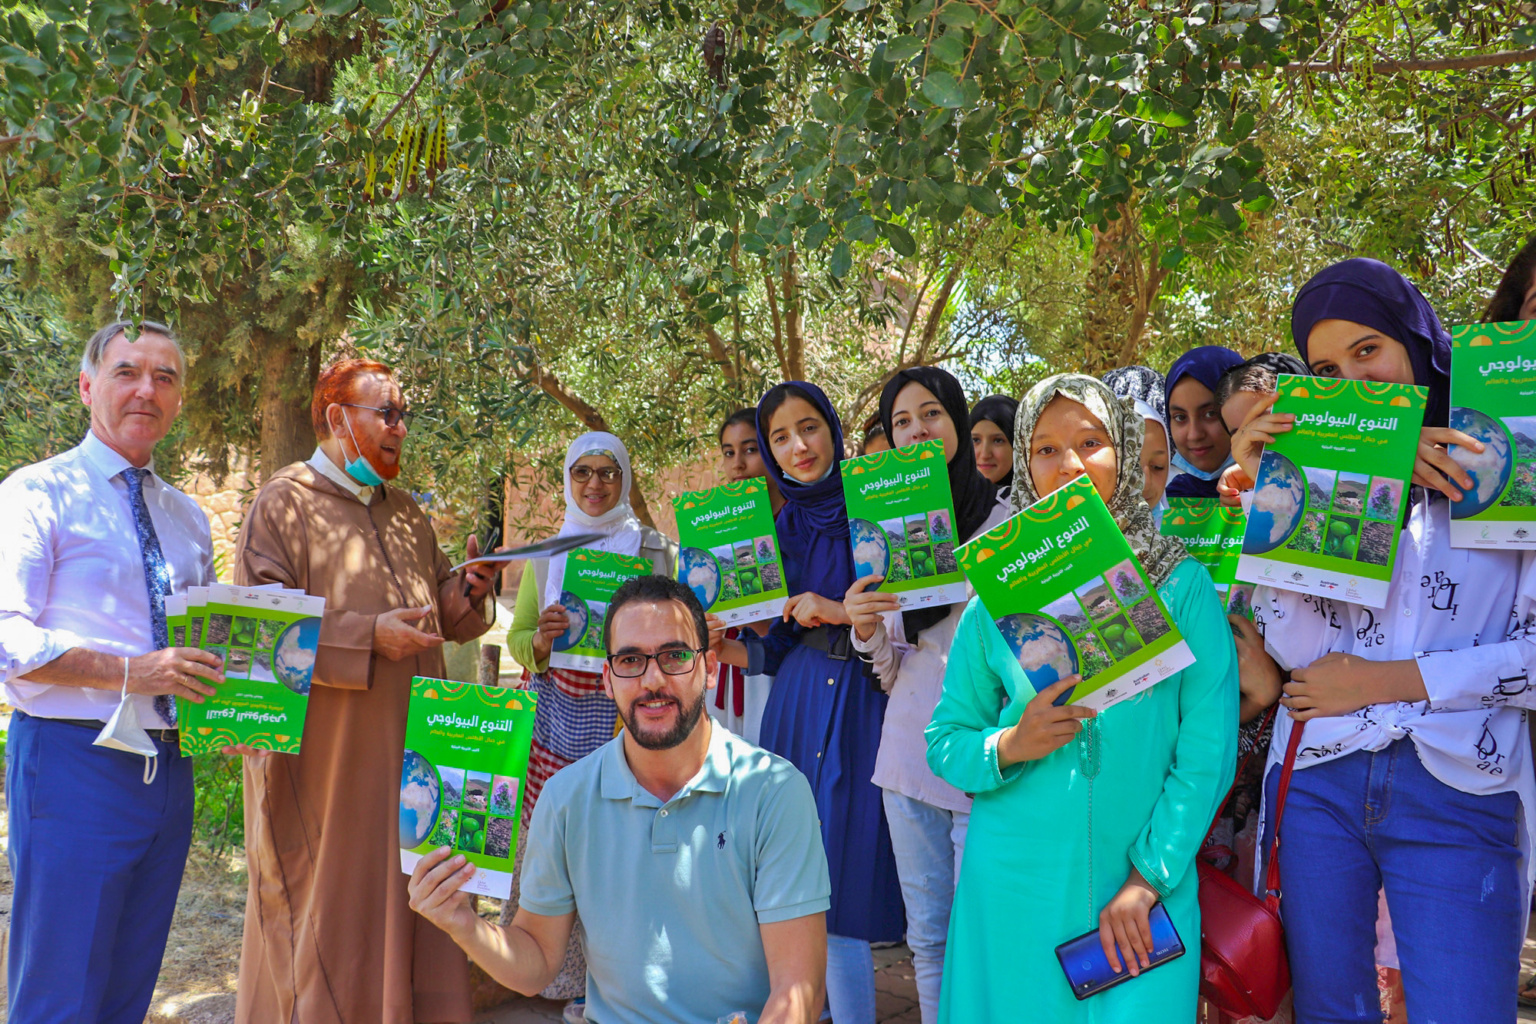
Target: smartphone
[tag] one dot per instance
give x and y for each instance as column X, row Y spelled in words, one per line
column 1087, row 968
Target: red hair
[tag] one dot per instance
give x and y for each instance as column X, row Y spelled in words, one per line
column 337, row 385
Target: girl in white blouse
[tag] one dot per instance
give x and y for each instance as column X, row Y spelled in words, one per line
column 1414, row 773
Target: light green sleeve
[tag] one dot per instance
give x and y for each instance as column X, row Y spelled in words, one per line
column 525, row 622
column 1205, row 753
column 972, row 712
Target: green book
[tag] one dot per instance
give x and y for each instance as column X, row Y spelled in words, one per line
column 1328, row 502
column 729, row 552
column 1069, row 596
column 268, row 640
column 1493, row 398
column 591, row 578
column 901, row 523
column 1213, row 535
column 461, row 784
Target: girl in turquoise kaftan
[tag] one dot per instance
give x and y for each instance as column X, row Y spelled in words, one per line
column 1053, row 840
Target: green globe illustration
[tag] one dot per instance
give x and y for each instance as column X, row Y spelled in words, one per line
column 698, row 569
column 1279, row 498
column 293, row 656
column 871, row 552
column 1489, row 468
column 420, row 800
column 576, row 612
column 1043, row 649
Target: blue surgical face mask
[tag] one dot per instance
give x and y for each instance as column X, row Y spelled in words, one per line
column 1183, row 465
column 360, row 469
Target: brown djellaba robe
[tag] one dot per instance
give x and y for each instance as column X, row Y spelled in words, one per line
column 329, row 935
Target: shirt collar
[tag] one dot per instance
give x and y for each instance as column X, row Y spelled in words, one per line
column 107, row 461
column 321, row 463
column 619, row 782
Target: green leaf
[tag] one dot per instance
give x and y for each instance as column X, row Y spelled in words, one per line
column 222, row 23
column 984, row 201
column 1171, row 258
column 816, row 234
column 804, row 8
column 942, row 90
column 1101, row 43
column 958, row 13
column 902, row 49
column 336, row 8
column 301, row 22
column 842, row 260
column 826, row 108
column 948, row 49
column 900, row 238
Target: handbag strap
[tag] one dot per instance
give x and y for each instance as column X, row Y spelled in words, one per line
column 1272, row 875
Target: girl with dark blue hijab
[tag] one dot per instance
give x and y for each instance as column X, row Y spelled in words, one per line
column 825, row 713
column 1414, row 774
column 1202, row 448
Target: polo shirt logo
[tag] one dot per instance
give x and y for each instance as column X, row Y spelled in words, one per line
column 720, row 841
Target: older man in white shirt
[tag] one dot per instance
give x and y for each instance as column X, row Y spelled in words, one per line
column 91, row 542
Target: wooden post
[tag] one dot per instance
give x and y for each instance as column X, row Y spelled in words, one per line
column 490, row 665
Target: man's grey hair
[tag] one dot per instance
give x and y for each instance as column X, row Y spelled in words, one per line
column 90, row 359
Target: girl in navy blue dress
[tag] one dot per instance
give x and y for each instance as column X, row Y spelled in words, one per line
column 825, row 712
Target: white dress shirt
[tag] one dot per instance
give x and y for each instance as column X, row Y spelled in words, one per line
column 1469, row 619
column 72, row 574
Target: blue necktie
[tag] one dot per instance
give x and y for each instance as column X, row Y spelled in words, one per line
column 157, row 575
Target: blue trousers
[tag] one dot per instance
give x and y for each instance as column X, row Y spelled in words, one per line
column 1450, row 864
column 96, row 856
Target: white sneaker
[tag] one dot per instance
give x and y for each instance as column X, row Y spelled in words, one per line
column 575, row 1012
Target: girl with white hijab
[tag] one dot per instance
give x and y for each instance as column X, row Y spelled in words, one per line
column 574, row 715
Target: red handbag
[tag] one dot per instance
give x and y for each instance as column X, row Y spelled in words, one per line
column 1244, row 971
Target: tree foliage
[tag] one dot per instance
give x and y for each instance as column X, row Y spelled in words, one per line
column 637, row 214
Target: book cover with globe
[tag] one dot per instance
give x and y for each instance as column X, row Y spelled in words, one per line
column 461, row 782
column 268, row 638
column 591, row 578
column 729, row 553
column 901, row 523
column 1069, row 596
column 1493, row 398
column 1213, row 535
column 1328, row 502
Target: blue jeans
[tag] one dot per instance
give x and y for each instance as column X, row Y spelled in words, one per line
column 97, row 857
column 1451, row 867
column 928, row 842
column 850, row 980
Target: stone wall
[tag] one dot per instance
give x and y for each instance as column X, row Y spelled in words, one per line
column 224, row 501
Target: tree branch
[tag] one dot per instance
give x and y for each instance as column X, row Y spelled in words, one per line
column 719, row 351
column 771, row 288
column 794, row 342
column 1501, row 58
column 420, row 77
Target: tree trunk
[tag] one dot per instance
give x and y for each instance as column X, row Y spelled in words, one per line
column 288, row 371
column 1121, row 293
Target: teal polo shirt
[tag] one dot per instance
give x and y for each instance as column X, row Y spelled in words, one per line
column 670, row 895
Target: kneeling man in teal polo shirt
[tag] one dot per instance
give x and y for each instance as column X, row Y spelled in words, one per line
column 693, row 858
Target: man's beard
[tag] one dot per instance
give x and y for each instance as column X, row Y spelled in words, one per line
column 687, row 718
column 370, row 450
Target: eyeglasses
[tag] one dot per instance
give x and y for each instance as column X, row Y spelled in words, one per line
column 676, row 661
column 608, row 474
column 391, row 416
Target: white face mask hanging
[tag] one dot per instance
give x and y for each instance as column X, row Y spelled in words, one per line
column 123, row 732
